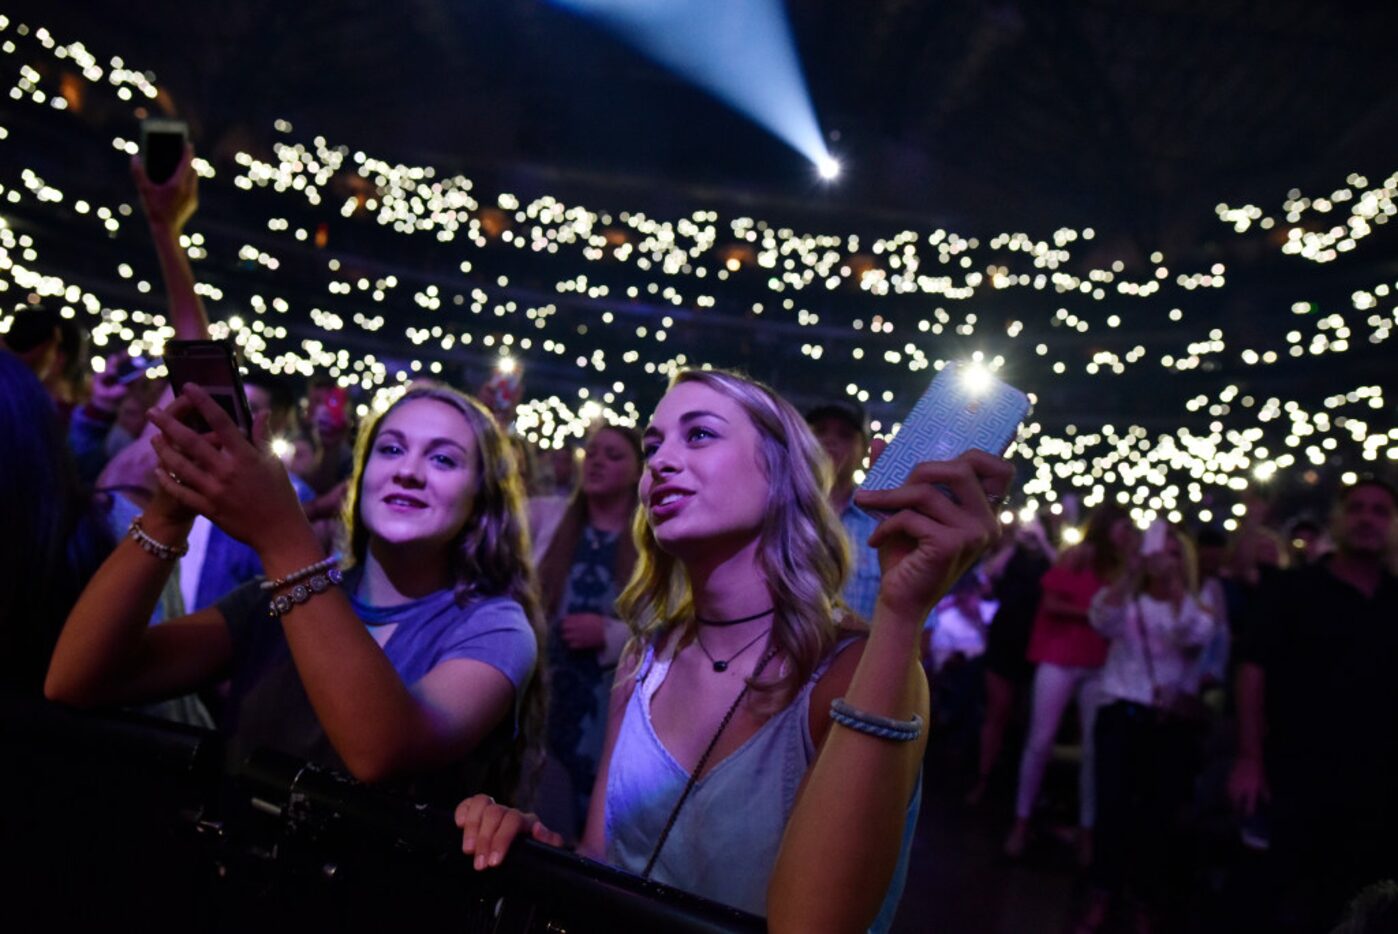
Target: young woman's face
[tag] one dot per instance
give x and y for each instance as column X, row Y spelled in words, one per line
column 420, row 475
column 610, row 467
column 703, row 485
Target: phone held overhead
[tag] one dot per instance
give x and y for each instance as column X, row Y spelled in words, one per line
column 162, row 147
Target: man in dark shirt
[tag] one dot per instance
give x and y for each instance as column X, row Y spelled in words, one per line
column 1318, row 714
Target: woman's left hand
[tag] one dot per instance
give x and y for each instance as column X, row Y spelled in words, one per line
column 240, row 486
column 932, row 538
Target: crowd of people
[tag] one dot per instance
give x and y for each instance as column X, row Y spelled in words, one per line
column 1235, row 706
column 694, row 652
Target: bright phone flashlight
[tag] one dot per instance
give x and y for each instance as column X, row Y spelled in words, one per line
column 976, row 377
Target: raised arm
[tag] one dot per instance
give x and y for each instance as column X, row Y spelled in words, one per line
column 380, row 726
column 856, row 794
column 169, row 206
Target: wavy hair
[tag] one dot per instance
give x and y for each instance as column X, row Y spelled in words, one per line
column 490, row 556
column 801, row 548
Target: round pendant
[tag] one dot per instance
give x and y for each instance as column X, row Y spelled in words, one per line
column 720, row 666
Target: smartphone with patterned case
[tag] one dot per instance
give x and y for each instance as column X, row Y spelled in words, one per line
column 965, row 408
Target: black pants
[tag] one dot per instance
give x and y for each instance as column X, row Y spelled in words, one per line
column 1145, row 768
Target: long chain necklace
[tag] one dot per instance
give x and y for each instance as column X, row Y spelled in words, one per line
column 699, row 766
column 721, row 664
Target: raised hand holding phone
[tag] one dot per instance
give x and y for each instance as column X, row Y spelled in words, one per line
column 238, row 484
column 964, row 409
column 163, row 145
column 213, row 367
column 936, row 486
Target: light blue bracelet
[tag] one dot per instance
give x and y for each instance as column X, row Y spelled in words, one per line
column 903, row 731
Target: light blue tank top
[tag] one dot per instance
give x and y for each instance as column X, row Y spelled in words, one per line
column 724, row 843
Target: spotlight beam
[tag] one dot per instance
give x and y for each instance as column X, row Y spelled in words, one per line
column 740, row 51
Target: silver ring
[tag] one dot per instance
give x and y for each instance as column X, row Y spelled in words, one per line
column 174, row 476
column 996, row 499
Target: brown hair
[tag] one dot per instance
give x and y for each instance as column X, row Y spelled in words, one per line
column 489, row 556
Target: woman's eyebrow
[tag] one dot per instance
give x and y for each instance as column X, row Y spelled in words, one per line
column 442, row 442
column 700, row 413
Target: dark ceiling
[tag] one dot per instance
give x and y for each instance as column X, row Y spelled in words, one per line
column 1133, row 115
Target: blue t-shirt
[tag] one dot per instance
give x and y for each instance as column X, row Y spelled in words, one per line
column 268, row 706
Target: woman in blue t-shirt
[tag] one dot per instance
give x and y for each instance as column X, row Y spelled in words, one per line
column 763, row 749
column 425, row 656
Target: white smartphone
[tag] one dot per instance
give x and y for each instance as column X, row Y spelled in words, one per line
column 965, row 408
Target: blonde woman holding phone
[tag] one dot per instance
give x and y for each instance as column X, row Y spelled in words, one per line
column 755, row 720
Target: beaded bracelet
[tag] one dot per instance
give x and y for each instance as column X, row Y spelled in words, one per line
column 320, row 583
column 903, row 731
column 151, row 546
column 302, row 574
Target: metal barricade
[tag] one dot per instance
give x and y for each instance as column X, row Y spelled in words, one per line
column 118, row 816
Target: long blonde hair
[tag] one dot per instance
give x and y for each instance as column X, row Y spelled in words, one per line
column 490, row 556
column 801, row 549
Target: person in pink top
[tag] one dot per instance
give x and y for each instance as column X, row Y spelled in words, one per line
column 1070, row 655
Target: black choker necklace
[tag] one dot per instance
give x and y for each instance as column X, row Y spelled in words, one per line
column 733, row 622
column 721, row 664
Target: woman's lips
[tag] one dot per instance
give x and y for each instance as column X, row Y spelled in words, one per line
column 668, row 504
column 399, row 501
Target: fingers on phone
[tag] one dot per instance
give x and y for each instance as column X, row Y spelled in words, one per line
column 213, row 413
